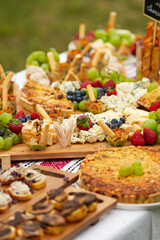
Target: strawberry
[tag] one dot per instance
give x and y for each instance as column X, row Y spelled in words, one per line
column 133, row 48
column 20, row 114
column 84, row 84
column 110, row 83
column 15, row 126
column 96, row 84
column 111, row 91
column 155, row 106
column 84, row 122
column 34, row 115
column 137, row 139
column 150, row 136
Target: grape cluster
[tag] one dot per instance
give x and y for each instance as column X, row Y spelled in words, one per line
column 136, row 169
column 7, row 138
column 154, row 123
column 39, row 58
column 115, row 123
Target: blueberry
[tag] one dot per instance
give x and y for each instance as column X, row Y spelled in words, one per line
column 108, row 124
column 120, row 123
column 85, row 97
column 70, row 93
column 73, row 98
column 27, row 117
column 100, row 90
column 93, row 124
column 99, row 96
column 69, row 97
column 23, row 120
column 78, row 99
column 113, row 126
column 123, row 119
column 114, row 120
column 2, row 132
column 105, row 90
column 103, row 93
column 77, row 92
column 83, row 93
column 20, row 118
column 78, row 95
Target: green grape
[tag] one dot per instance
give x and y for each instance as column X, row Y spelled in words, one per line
column 158, row 128
column 42, row 59
column 37, row 54
column 6, row 118
column 125, row 170
column 103, row 74
column 158, row 114
column 152, row 115
column 98, row 79
column 30, row 58
column 104, row 38
column 8, row 142
column 82, row 105
column 136, row 163
column 75, row 105
column 151, row 87
column 100, row 33
column 1, row 143
column 55, row 54
column 35, row 63
column 138, row 171
column 158, row 138
column 45, row 66
column 92, row 73
column 115, row 40
column 15, row 138
column 151, row 124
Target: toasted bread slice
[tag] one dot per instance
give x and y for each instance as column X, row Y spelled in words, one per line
column 7, row 232
column 19, row 191
column 148, row 99
column 35, row 179
column 5, row 201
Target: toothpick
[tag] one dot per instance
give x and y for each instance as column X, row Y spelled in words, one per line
column 90, row 92
column 52, row 62
column 82, row 30
column 68, row 76
column 107, row 130
column 86, row 49
column 112, row 20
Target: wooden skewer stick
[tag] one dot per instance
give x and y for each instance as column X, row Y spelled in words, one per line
column 112, row 20
column 52, row 62
column 154, row 33
column 42, row 112
column 106, row 128
column 75, row 60
column 90, row 92
column 82, row 30
column 2, row 73
column 97, row 57
column 5, row 90
column 44, row 133
column 86, row 49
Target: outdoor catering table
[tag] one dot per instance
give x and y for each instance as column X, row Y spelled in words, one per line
column 118, row 224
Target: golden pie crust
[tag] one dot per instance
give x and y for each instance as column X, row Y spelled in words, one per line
column 99, row 173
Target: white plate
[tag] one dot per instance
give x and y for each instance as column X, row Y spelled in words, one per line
column 128, row 206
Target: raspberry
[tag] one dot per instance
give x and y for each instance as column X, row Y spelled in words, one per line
column 84, row 84
column 34, row 115
column 110, row 83
column 155, row 106
column 150, row 136
column 20, row 114
column 96, row 84
column 137, row 139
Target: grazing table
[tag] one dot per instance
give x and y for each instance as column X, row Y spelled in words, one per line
column 118, row 224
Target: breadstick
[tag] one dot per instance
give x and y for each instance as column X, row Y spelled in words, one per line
column 73, row 75
column 42, row 112
column 5, row 90
column 112, row 20
column 68, row 76
column 52, row 62
column 82, row 30
column 97, row 57
column 75, row 60
column 90, row 92
column 82, row 70
column 86, row 49
column 44, row 133
column 2, row 73
column 106, row 128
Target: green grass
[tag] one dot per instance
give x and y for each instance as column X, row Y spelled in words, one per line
column 29, row 25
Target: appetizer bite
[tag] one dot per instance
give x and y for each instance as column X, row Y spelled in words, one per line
column 20, row 191
column 30, row 230
column 44, row 207
column 35, row 179
column 57, row 197
column 7, row 232
column 5, row 201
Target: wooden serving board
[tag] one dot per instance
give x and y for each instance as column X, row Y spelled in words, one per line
column 72, row 229
column 54, row 179
column 22, row 152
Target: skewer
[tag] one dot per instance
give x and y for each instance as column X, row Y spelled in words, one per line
column 52, row 62
column 82, row 30
column 2, row 73
column 42, row 112
column 90, row 92
column 107, row 130
column 5, row 90
column 44, row 134
column 67, row 77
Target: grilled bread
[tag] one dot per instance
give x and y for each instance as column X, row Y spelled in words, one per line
column 100, row 173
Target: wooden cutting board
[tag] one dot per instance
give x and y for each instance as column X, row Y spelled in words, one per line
column 54, row 179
